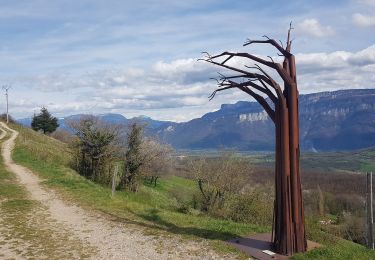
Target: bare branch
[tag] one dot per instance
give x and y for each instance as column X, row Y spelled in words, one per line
column 207, row 54
column 261, row 101
column 265, row 36
column 218, row 90
column 278, row 67
column 217, row 81
column 230, row 56
column 272, row 97
column 286, row 53
column 270, row 81
column 244, row 55
column 288, row 41
column 271, row 59
column 259, row 88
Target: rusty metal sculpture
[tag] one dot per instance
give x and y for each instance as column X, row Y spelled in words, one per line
column 288, row 233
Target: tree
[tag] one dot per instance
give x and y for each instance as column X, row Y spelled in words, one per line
column 95, row 147
column 281, row 106
column 219, row 178
column 44, row 121
column 157, row 159
column 133, row 158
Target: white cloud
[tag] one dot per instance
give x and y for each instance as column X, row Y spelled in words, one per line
column 179, row 89
column 367, row 2
column 363, row 20
column 336, row 70
column 312, row 62
column 314, row 28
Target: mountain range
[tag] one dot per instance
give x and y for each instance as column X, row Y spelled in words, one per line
column 329, row 121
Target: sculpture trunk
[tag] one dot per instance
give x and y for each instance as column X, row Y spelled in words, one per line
column 289, row 233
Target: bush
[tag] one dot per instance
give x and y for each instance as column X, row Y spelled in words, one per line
column 339, row 203
column 63, row 136
column 254, row 207
column 3, row 117
column 187, row 201
column 219, row 179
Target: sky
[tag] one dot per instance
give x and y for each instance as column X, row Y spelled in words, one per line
column 140, row 57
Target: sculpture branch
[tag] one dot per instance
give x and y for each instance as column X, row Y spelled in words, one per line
column 244, row 87
column 278, row 67
column 270, row 81
column 261, row 101
column 218, row 90
column 257, row 87
column 269, row 41
column 244, row 55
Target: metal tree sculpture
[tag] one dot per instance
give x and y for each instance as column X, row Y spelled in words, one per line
column 288, row 233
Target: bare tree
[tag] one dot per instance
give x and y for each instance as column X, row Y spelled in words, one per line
column 157, row 159
column 281, row 106
column 219, row 177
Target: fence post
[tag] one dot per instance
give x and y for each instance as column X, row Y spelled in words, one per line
column 114, row 180
column 370, row 212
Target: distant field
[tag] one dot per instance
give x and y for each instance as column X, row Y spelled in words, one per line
column 354, row 161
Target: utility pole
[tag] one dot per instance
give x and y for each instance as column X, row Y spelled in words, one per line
column 6, row 88
column 370, row 212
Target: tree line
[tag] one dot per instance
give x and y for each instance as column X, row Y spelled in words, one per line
column 106, row 153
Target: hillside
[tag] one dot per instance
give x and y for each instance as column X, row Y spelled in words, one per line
column 154, row 210
column 330, row 121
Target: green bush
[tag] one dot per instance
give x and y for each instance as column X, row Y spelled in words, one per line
column 186, row 199
column 252, row 207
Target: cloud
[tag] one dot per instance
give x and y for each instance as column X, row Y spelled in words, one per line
column 179, row 89
column 314, row 28
column 367, row 2
column 336, row 70
column 317, row 62
column 363, row 20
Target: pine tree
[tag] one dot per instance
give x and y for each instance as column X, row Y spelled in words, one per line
column 44, row 121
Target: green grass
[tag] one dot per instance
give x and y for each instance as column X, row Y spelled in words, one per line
column 332, row 247
column 342, row 249
column 20, row 228
column 154, row 207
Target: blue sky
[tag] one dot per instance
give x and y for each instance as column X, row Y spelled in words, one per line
column 139, row 58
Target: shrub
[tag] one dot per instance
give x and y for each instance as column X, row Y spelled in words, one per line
column 3, row 117
column 63, row 136
column 254, row 207
column 219, row 179
column 187, row 201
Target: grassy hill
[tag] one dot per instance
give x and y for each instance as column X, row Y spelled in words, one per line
column 157, row 208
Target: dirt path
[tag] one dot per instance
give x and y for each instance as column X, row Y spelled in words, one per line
column 104, row 239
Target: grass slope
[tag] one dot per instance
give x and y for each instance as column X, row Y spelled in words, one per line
column 151, row 207
column 21, row 228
